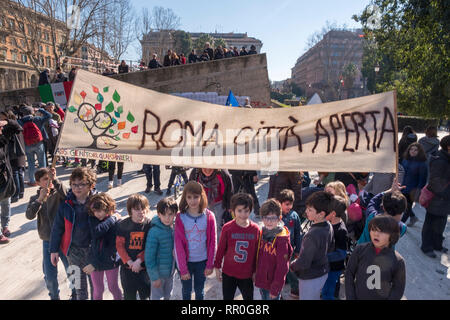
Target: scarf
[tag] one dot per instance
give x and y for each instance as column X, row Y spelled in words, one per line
column 211, row 185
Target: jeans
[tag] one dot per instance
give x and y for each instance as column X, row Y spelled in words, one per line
column 18, row 173
column 51, row 272
column 173, row 173
column 408, row 212
column 38, row 150
column 78, row 259
column 330, row 285
column 5, row 206
column 197, row 272
column 310, row 289
column 165, row 290
column 265, row 295
column 148, row 169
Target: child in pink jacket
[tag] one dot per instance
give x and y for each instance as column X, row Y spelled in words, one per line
column 195, row 240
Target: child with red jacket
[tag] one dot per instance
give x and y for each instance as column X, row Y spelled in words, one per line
column 274, row 252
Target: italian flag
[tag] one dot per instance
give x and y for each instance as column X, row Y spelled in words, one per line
column 56, row 92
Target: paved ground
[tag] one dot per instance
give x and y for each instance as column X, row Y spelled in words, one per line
column 21, row 259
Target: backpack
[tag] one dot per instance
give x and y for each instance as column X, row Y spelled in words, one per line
column 31, row 133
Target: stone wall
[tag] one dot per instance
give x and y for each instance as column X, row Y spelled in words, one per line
column 245, row 76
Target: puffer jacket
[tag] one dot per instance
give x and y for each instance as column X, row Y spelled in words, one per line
column 159, row 257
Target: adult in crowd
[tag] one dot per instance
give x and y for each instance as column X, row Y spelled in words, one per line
column 174, row 59
column 123, row 67
column 16, row 150
column 415, row 164
column 154, row 63
column 408, row 137
column 192, row 58
column 8, row 129
column 59, row 76
column 152, row 173
column 209, row 50
column 168, row 59
column 235, row 52
column 204, row 56
column 287, row 180
column 430, row 142
column 219, row 189
column 44, row 77
column 439, row 207
column 182, row 58
column 34, row 135
column 72, row 73
column 243, row 52
column 252, row 50
column 52, row 128
column 218, row 53
column 227, row 53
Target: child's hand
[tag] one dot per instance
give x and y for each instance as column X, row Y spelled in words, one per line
column 156, row 284
column 254, row 277
column 54, row 258
column 43, row 194
column 89, row 269
column 186, row 276
column 208, row 272
column 137, row 266
column 52, row 173
column 296, row 255
column 218, row 275
column 117, row 215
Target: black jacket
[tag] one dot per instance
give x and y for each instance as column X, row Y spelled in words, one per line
column 439, row 184
column 210, row 53
column 7, row 187
column 363, row 265
column 103, row 252
column 167, row 61
column 192, row 58
column 123, row 69
column 154, row 64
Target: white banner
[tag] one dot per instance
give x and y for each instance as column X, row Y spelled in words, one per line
column 107, row 119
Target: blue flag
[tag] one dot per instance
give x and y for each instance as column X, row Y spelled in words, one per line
column 232, row 101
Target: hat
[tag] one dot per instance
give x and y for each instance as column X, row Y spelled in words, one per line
column 354, row 212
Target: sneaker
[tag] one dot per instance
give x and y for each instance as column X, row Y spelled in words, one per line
column 14, row 200
column 443, row 249
column 158, row 191
column 6, row 232
column 3, row 239
column 148, row 189
column 412, row 221
column 21, row 196
column 430, row 254
column 119, row 182
column 168, row 192
column 110, row 185
column 294, row 294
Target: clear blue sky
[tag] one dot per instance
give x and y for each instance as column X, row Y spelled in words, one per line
column 283, row 26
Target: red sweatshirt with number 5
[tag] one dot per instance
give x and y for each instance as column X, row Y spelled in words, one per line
column 238, row 247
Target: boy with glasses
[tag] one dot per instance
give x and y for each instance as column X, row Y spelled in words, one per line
column 274, row 252
column 70, row 230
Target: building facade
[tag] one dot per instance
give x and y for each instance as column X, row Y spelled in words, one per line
column 161, row 41
column 322, row 68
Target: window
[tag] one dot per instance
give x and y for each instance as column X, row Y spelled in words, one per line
column 49, row 62
column 46, row 36
column 3, row 39
column 12, row 24
column 2, row 24
column 83, row 49
column 14, row 56
column 22, row 43
column 3, row 55
column 40, row 48
column 30, row 30
column 21, row 27
column 24, row 58
column 13, row 42
column 47, row 49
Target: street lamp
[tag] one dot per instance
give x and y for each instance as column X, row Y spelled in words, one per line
column 376, row 69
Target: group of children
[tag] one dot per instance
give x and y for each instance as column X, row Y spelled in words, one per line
column 82, row 227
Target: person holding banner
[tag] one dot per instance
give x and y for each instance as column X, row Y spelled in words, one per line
column 439, row 207
column 111, row 169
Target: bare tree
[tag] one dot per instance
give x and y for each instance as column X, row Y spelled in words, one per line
column 121, row 28
column 142, row 27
